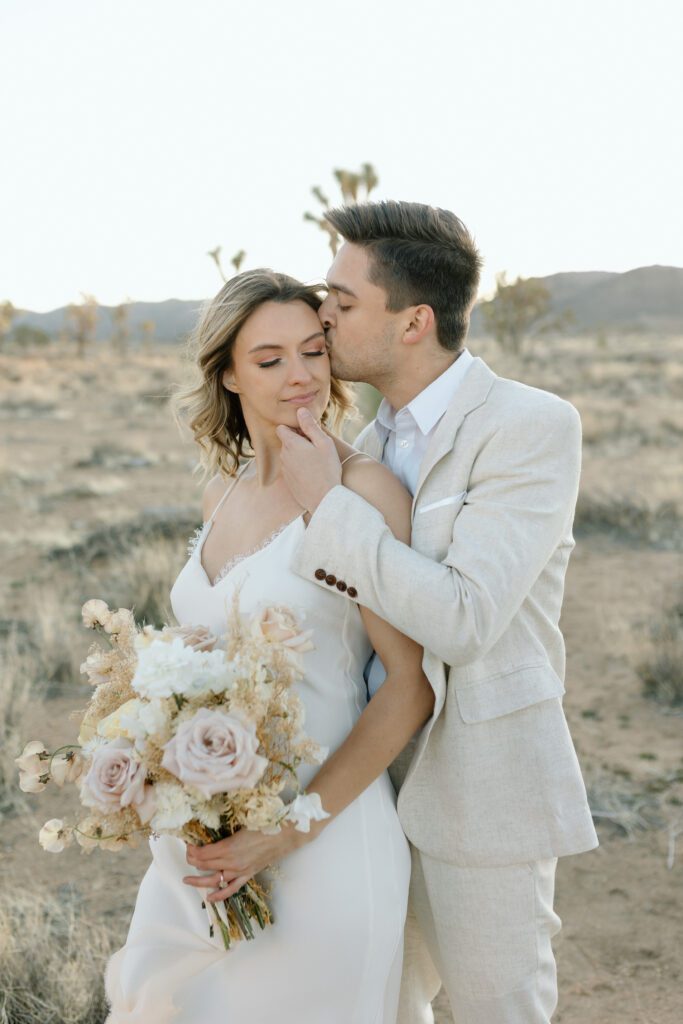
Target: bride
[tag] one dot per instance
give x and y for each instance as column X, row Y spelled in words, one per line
column 339, row 892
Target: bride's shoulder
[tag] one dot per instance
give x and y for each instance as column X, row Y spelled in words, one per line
column 378, row 486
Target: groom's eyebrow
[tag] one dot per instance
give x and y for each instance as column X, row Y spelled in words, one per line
column 268, row 344
column 341, row 288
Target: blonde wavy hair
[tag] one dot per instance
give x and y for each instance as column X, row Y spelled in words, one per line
column 214, row 414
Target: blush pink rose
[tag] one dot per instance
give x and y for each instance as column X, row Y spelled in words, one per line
column 279, row 625
column 215, row 752
column 116, row 780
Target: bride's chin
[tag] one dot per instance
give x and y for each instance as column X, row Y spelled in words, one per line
column 290, row 418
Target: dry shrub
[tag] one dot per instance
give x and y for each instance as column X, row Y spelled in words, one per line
column 18, row 691
column 52, row 960
column 660, row 526
column 662, row 674
column 141, row 579
column 620, row 805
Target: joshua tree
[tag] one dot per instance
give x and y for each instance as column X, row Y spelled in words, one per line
column 81, row 320
column 7, row 315
column 351, row 183
column 518, row 309
column 236, row 261
column 120, row 336
column 148, row 328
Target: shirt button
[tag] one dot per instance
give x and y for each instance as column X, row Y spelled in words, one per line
column 403, row 444
column 320, row 574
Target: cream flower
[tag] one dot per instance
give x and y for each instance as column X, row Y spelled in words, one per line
column 305, row 809
column 54, row 836
column 263, row 813
column 119, row 621
column 67, row 767
column 33, row 767
column 95, row 613
column 173, row 807
column 98, row 667
column 215, row 752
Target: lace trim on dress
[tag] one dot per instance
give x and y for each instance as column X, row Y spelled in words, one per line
column 236, row 559
column 195, row 538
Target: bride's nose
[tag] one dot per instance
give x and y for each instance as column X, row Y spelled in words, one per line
column 300, row 372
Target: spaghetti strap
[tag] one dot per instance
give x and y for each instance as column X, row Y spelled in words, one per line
column 350, row 457
column 228, row 489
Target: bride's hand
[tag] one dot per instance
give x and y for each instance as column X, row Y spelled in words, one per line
column 239, row 857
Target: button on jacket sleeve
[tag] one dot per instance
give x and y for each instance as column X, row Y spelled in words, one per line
column 518, row 510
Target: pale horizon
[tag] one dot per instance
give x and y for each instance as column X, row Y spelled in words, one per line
column 142, row 136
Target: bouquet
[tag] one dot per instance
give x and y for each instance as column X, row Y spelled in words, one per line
column 187, row 734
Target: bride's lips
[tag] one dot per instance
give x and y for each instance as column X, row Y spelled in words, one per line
column 302, row 399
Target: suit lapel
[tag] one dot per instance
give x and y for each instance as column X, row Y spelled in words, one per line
column 472, row 392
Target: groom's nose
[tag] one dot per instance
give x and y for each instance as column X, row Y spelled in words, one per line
column 325, row 315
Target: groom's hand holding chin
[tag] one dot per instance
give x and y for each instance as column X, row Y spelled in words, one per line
column 310, row 463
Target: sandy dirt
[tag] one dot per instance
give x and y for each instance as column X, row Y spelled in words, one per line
column 619, row 952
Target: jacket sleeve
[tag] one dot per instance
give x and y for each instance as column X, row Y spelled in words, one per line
column 519, row 507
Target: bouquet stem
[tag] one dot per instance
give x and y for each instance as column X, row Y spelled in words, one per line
column 247, row 905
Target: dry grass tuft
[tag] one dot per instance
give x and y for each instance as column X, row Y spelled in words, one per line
column 660, row 527
column 626, row 810
column 18, row 690
column 52, row 960
column 662, row 674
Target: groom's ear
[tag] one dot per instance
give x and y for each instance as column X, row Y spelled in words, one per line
column 421, row 322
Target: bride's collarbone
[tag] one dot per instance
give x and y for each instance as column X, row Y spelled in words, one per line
column 242, row 531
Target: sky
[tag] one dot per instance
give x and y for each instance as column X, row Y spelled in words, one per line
column 139, row 134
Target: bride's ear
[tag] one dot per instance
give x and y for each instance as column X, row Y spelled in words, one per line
column 228, row 382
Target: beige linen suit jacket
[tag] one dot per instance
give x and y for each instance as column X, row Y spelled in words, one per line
column 494, row 778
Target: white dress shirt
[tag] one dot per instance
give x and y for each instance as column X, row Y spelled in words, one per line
column 405, row 437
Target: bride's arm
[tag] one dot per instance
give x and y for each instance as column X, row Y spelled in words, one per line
column 405, row 700
column 403, row 704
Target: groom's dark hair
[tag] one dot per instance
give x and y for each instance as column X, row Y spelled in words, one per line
column 418, row 254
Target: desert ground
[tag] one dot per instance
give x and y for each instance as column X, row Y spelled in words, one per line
column 98, row 499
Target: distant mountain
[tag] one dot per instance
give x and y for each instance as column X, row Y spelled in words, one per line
column 173, row 319
column 648, row 298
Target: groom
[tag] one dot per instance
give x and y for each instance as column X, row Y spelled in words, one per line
column 490, row 792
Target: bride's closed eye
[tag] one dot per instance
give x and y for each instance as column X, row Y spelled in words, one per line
column 274, row 362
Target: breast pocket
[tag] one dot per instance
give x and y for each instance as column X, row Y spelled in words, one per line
column 433, row 524
column 432, row 506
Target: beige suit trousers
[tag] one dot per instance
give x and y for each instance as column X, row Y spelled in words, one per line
column 486, row 934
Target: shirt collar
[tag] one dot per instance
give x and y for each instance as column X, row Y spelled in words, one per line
column 428, row 407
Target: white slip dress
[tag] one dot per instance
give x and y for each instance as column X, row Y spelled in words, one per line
column 334, row 952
